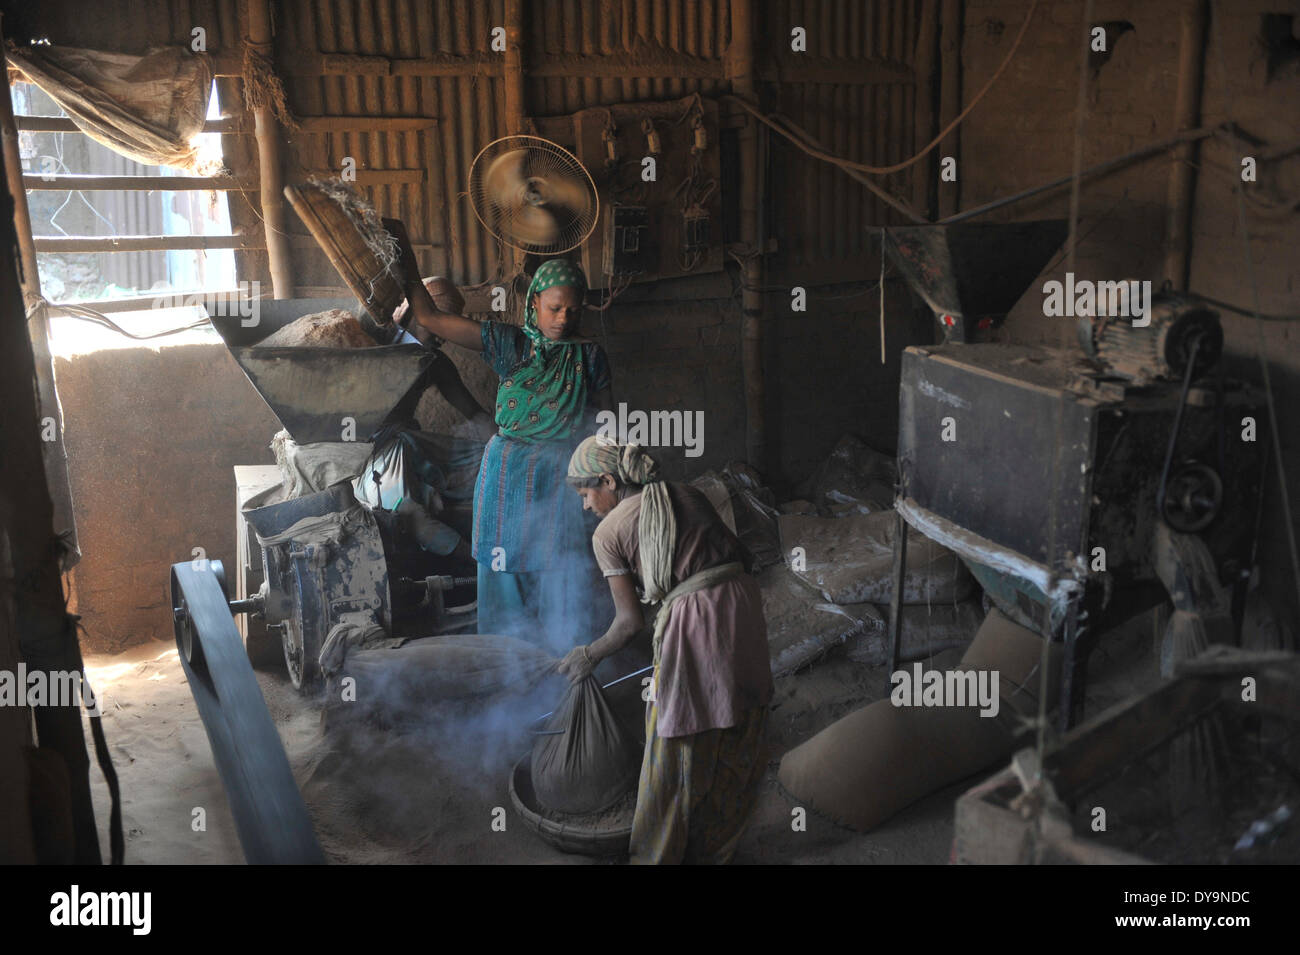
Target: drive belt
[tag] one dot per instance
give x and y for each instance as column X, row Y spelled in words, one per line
column 270, row 815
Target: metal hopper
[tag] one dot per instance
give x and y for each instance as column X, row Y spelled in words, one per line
column 311, row 390
column 971, row 274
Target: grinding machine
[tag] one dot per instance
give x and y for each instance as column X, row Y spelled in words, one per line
column 324, row 558
column 1080, row 486
column 367, row 562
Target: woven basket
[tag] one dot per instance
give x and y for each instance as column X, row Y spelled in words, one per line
column 565, row 836
column 377, row 288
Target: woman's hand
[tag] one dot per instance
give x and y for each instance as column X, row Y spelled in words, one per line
column 577, row 664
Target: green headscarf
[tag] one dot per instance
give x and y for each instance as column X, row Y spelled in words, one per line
column 543, row 399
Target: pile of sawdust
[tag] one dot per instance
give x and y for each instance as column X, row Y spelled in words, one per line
column 333, row 328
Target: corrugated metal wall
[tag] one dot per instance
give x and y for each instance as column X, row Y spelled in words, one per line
column 698, row 28
column 468, row 110
column 860, row 104
column 853, row 89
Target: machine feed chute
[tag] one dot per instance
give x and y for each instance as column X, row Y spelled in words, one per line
column 971, row 274
column 312, row 390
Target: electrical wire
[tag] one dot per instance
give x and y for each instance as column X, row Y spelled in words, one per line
column 86, row 314
column 1237, row 188
column 898, row 167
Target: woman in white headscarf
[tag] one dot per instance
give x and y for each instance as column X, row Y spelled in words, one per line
column 704, row 755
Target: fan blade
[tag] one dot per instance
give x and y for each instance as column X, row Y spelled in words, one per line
column 534, row 225
column 568, row 190
column 504, row 179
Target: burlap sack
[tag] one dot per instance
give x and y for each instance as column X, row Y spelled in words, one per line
column 882, row 758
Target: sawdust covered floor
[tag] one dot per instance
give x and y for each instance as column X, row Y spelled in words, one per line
column 402, row 796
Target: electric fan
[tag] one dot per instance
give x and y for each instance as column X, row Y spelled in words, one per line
column 533, row 194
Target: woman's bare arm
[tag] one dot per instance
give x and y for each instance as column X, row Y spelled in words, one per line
column 628, row 622
column 454, row 328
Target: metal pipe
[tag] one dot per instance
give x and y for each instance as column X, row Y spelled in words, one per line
column 622, row 679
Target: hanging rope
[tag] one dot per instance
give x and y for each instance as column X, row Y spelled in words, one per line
column 262, row 88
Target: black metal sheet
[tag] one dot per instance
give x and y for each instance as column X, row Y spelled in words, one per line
column 312, row 390
column 996, row 477
column 973, row 271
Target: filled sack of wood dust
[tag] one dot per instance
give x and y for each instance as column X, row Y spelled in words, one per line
column 440, row 669
column 333, row 328
column 882, row 758
column 592, row 761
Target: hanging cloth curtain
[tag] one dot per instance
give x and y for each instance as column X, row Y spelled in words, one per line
column 147, row 107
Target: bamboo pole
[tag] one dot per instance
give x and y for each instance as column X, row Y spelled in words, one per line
column 144, row 243
column 137, row 183
column 267, row 132
column 65, row 124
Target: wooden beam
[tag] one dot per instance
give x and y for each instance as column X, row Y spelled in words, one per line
column 674, row 66
column 667, row 65
column 65, row 124
column 300, row 241
column 841, row 72
column 144, row 243
column 444, row 64
column 383, row 124
column 376, row 177
column 138, row 183
column 29, row 274
column 1098, row 749
column 140, row 303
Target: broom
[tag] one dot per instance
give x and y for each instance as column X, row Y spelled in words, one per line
column 1198, row 755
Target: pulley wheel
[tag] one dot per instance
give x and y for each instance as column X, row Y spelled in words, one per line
column 1192, row 498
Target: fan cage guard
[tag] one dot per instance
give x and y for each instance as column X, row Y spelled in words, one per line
column 485, row 206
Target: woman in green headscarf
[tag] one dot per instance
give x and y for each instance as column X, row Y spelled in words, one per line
column 536, row 576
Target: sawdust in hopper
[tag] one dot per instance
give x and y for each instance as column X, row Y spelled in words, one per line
column 333, row 328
